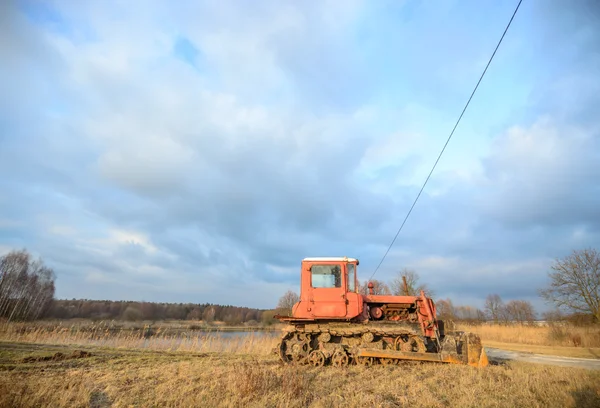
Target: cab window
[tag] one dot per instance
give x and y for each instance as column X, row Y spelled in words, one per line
column 326, row 276
column 351, row 277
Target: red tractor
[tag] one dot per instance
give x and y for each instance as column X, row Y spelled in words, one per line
column 334, row 323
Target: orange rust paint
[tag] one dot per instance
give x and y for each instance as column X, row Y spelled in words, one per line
column 340, row 300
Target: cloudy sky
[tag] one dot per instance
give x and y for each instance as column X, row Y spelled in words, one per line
column 196, row 151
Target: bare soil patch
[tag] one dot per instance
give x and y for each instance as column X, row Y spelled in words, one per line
column 58, row 356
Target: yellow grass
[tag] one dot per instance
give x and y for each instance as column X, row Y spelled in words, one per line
column 126, row 369
column 555, row 335
column 163, row 339
column 129, row 378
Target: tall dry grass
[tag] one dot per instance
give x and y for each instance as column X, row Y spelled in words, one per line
column 551, row 335
column 259, row 343
column 226, row 371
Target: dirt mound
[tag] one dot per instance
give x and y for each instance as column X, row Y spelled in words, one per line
column 80, row 354
column 58, row 356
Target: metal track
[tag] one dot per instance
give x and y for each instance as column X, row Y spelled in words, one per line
column 343, row 344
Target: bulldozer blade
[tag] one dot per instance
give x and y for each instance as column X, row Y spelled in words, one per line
column 406, row 355
column 482, row 361
column 476, row 355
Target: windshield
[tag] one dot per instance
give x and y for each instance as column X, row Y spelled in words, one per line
column 326, row 276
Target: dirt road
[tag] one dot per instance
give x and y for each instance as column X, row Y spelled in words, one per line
column 495, row 354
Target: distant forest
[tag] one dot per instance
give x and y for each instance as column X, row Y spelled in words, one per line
column 27, row 293
column 129, row 310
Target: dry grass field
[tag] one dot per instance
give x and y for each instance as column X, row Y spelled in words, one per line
column 554, row 335
column 54, row 376
column 49, row 366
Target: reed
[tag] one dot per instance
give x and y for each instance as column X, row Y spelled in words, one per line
column 149, row 338
column 552, row 335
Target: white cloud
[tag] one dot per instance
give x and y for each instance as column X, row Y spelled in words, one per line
column 300, row 131
column 544, row 173
column 135, row 238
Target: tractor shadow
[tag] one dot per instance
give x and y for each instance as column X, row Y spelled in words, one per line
column 586, row 397
column 99, row 399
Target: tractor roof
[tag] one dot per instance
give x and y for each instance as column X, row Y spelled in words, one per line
column 331, row 259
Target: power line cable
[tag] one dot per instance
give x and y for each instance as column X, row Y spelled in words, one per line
column 447, row 141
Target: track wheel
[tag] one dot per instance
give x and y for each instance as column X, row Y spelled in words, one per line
column 398, row 343
column 365, row 361
column 340, row 359
column 316, row 358
column 413, row 344
column 284, row 353
column 299, row 351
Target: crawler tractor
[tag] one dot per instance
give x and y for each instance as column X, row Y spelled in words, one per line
column 335, row 324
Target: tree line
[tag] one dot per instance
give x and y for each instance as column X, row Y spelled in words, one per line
column 131, row 310
column 27, row 288
column 495, row 310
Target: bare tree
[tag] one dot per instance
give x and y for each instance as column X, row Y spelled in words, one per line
column 445, row 309
column 412, row 287
column 520, row 311
column 208, row 315
column 13, row 270
column 26, row 286
column 494, row 307
column 469, row 314
column 287, row 302
column 553, row 316
column 267, row 317
column 379, row 288
column 132, row 312
column 575, row 283
column 194, row 314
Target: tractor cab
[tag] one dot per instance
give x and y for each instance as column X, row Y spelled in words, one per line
column 329, row 289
